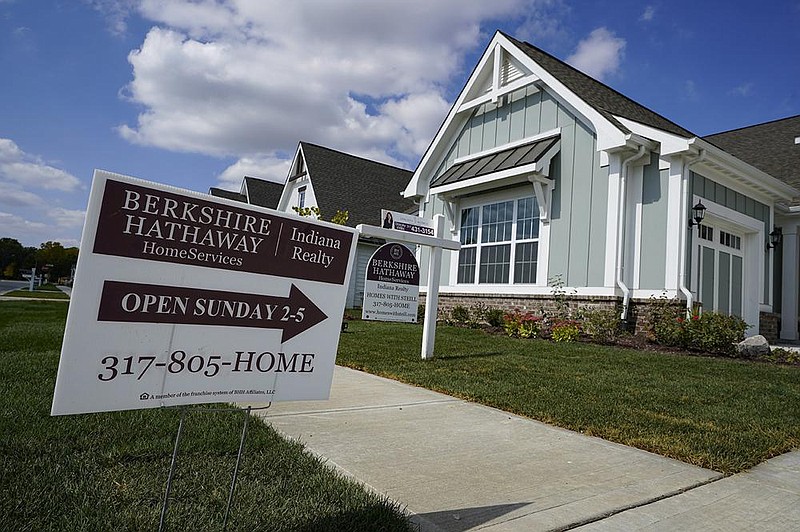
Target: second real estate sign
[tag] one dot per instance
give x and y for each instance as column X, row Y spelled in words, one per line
column 391, row 288
column 182, row 298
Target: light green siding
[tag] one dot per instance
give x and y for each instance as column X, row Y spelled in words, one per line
column 653, row 254
column 433, row 207
column 522, row 114
column 583, row 201
column 579, row 202
column 712, row 191
column 579, row 210
column 598, row 220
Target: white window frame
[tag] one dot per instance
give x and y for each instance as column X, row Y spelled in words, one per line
column 514, row 194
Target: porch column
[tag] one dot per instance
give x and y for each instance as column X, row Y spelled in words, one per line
column 791, row 284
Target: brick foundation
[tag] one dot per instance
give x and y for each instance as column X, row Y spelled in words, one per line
column 637, row 314
column 769, row 322
column 769, row 325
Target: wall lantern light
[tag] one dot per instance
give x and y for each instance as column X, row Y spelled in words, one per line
column 775, row 238
column 698, row 213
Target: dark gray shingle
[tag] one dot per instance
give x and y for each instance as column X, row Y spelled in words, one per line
column 357, row 185
column 770, row 147
column 227, row 194
column 606, row 100
column 263, row 193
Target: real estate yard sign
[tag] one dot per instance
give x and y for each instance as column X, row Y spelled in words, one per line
column 391, row 289
column 406, row 222
column 183, row 298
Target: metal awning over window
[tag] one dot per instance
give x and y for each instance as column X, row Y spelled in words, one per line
column 527, row 155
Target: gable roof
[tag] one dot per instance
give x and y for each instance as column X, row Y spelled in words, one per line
column 604, row 99
column 227, row 194
column 262, row 192
column 362, row 187
column 770, row 147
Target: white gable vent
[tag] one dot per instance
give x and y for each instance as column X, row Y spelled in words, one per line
column 510, row 72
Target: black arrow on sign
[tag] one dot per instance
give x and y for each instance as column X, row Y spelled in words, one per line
column 149, row 303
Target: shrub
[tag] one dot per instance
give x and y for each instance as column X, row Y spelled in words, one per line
column 420, row 313
column 780, row 355
column 664, row 322
column 560, row 297
column 494, row 317
column 460, row 315
column 714, row 333
column 478, row 311
column 565, row 331
column 603, row 325
column 709, row 332
column 522, row 325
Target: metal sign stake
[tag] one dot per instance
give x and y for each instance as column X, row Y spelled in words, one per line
column 162, row 521
column 236, row 469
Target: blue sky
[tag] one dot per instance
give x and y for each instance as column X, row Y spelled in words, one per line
column 198, row 94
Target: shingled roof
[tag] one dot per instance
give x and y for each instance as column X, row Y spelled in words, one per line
column 227, row 194
column 357, row 185
column 603, row 98
column 261, row 192
column 770, row 147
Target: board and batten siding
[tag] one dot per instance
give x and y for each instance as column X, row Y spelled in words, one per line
column 579, row 209
column 579, row 203
column 653, row 250
column 355, row 291
column 736, row 201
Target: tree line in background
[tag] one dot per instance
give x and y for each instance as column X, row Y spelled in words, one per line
column 51, row 259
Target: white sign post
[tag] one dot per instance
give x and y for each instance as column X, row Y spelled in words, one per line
column 183, row 298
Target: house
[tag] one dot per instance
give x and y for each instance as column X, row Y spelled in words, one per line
column 774, row 147
column 334, row 181
column 547, row 176
column 253, row 191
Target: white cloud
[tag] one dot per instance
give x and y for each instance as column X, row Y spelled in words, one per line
column 14, row 225
column 599, row 55
column 649, row 14
column 13, row 196
column 269, row 168
column 251, row 78
column 116, row 13
column 418, row 116
column 31, row 192
column 743, row 90
column 31, row 172
column 68, row 218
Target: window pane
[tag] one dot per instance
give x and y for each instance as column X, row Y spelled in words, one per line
column 527, row 219
column 497, row 222
column 495, row 264
column 525, row 262
column 466, row 265
column 469, row 226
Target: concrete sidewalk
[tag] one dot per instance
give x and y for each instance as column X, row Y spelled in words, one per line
column 461, row 466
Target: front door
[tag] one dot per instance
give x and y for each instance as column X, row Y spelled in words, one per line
column 720, row 269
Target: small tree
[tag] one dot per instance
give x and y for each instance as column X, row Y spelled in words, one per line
column 340, row 217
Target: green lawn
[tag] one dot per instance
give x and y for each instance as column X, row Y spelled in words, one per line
column 47, row 291
column 722, row 414
column 108, row 471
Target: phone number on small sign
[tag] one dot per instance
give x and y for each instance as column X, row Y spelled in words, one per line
column 207, row 365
